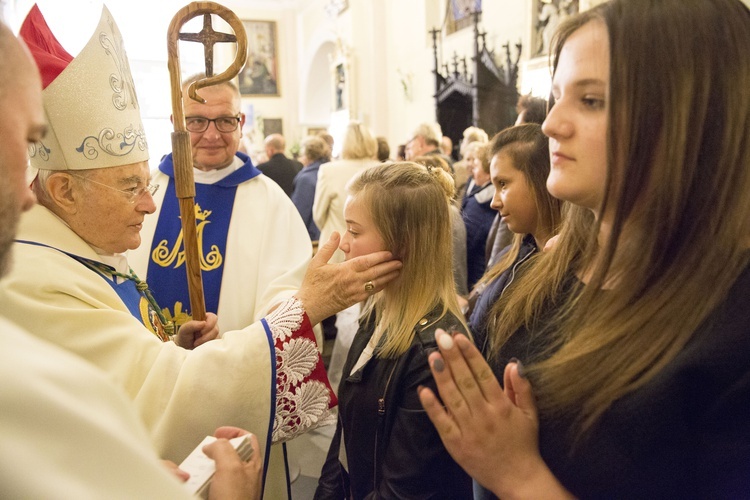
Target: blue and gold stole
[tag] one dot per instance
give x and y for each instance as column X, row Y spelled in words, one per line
column 213, row 212
column 133, row 292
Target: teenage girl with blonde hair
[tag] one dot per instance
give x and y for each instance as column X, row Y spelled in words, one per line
column 390, row 449
column 458, row 228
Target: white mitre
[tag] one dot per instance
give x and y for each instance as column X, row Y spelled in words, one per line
column 93, row 115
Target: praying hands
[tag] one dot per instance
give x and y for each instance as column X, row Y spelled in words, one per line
column 490, row 431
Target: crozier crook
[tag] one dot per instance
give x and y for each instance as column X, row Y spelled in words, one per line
column 181, row 150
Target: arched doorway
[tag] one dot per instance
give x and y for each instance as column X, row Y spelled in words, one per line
column 317, row 98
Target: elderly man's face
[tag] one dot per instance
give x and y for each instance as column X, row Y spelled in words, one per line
column 214, row 149
column 106, row 218
column 22, row 124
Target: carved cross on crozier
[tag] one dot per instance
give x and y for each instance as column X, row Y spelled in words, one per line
column 208, row 37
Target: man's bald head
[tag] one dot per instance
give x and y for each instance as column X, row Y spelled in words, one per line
column 22, row 123
column 10, row 47
column 275, row 143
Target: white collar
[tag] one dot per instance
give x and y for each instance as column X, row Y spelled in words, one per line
column 214, row 176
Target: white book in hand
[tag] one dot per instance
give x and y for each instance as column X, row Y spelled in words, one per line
column 202, row 469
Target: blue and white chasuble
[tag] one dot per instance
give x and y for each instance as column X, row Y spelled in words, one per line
column 213, row 213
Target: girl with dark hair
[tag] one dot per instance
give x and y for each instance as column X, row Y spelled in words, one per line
column 518, row 169
column 635, row 331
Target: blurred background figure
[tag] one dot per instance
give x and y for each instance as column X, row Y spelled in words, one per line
column 328, row 138
column 458, row 229
column 357, row 153
column 279, row 168
column 446, row 146
column 401, row 152
column 462, row 168
column 531, row 109
column 425, row 140
column 384, row 150
column 314, row 152
column 477, row 212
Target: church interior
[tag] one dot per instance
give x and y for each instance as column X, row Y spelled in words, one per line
column 329, row 61
column 314, row 66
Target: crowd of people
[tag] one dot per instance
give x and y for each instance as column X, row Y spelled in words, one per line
column 556, row 311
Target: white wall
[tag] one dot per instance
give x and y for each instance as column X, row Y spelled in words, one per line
column 316, row 46
column 391, row 55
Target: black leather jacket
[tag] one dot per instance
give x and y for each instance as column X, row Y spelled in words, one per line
column 392, row 448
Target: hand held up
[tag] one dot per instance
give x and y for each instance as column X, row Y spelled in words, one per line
column 330, row 288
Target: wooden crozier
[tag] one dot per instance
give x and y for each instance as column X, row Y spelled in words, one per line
column 181, row 151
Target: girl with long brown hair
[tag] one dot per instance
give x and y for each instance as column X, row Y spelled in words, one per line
column 519, row 168
column 634, row 332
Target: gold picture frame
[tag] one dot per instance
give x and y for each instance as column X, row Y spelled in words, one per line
column 260, row 76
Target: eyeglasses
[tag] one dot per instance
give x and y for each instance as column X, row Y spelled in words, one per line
column 199, row 124
column 133, row 194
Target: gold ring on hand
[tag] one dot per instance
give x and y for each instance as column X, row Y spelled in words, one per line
column 369, row 286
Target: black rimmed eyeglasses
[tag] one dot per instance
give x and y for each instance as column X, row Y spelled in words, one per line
column 224, row 124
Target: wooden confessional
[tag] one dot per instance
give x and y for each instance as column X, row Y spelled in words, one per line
column 485, row 97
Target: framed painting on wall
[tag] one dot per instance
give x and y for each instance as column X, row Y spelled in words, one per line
column 317, row 130
column 547, row 16
column 341, row 80
column 260, row 77
column 272, row 126
column 459, row 14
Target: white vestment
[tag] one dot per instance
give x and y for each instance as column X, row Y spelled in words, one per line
column 181, row 395
column 267, row 252
column 67, row 432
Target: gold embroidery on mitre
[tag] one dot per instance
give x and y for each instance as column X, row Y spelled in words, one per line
column 164, row 256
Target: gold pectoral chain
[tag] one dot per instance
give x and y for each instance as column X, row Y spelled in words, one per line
column 142, row 286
